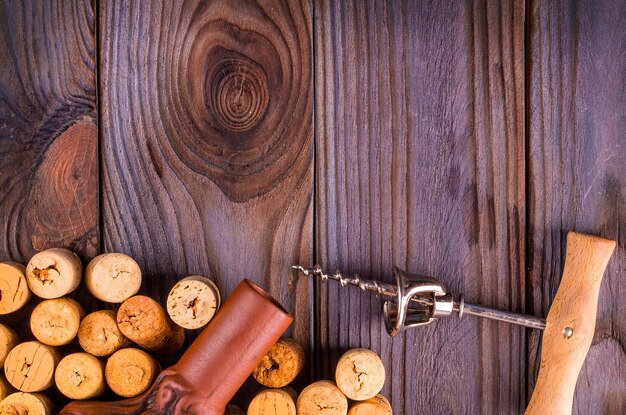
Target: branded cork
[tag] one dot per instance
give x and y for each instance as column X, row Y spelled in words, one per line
column 360, row 374
column 280, row 366
column 20, row 403
column 5, row 388
column 322, row 398
column 53, row 273
column 8, row 340
column 144, row 321
column 193, row 302
column 80, row 376
column 378, row 405
column 273, row 402
column 14, row 291
column 129, row 372
column 113, row 277
column 99, row 334
column 29, row 367
column 55, row 322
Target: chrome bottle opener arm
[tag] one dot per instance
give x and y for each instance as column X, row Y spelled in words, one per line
column 420, row 300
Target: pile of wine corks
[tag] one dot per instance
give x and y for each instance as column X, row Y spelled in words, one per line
column 84, row 354
column 359, row 378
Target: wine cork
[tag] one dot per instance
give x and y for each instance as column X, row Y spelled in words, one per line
column 378, row 405
column 20, row 403
column 8, row 340
column 322, row 398
column 360, row 374
column 53, row 273
column 272, row 402
column 14, row 291
column 113, row 277
column 129, row 372
column 233, row 410
column 193, row 302
column 80, row 376
column 5, row 388
column 145, row 322
column 30, row 366
column 99, row 335
column 55, row 322
column 281, row 364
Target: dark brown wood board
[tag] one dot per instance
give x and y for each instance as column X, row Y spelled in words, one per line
column 48, row 129
column 576, row 173
column 419, row 122
column 207, row 143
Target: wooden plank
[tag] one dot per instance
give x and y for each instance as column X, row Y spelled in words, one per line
column 48, row 129
column 420, row 164
column 577, row 181
column 207, row 143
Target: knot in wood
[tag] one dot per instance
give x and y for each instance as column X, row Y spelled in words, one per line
column 239, row 94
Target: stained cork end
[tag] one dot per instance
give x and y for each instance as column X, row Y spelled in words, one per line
column 129, row 372
column 360, row 374
column 193, row 302
column 53, row 273
column 29, row 367
column 55, row 322
column 99, row 335
column 80, row 376
column 378, row 405
column 20, row 403
column 14, row 291
column 113, row 277
column 322, row 398
column 280, row 366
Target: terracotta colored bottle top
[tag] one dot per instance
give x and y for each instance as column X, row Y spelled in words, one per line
column 215, row 366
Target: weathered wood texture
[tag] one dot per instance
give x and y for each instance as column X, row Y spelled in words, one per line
column 577, row 180
column 48, row 133
column 207, row 142
column 419, row 124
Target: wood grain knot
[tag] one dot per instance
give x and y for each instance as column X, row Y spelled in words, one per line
column 238, row 93
column 62, row 208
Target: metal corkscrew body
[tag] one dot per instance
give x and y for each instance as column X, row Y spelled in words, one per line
column 418, row 300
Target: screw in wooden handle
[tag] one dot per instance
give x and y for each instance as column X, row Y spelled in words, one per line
column 570, row 324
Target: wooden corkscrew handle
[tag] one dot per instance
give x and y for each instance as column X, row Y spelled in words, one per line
column 570, row 324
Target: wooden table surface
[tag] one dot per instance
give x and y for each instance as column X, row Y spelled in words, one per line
column 233, row 139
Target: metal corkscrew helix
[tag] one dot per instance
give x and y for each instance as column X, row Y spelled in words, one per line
column 420, row 300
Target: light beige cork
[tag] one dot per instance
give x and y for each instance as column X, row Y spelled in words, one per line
column 20, row 403
column 53, row 273
column 360, row 374
column 8, row 340
column 322, row 398
column 272, row 402
column 14, row 291
column 113, row 277
column 30, row 366
column 378, row 405
column 193, row 302
column 55, row 322
column 99, row 335
column 5, row 387
column 233, row 410
column 144, row 321
column 129, row 372
column 80, row 376
column 280, row 366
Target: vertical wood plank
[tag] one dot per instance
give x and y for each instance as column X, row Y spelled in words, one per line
column 420, row 136
column 577, row 176
column 207, row 143
column 48, row 129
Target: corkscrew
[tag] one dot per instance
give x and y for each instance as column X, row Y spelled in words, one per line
column 418, row 300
